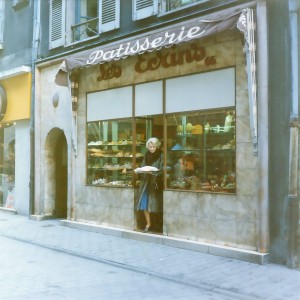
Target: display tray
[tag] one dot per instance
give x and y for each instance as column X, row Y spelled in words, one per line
column 114, row 184
column 146, row 170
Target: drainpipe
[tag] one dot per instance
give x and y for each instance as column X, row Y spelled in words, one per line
column 293, row 203
column 35, row 44
column 263, row 242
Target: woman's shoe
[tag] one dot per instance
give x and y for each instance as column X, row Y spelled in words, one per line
column 146, row 228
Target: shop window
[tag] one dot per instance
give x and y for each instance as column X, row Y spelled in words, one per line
column 2, row 18
column 7, row 161
column 201, row 151
column 171, row 5
column 115, row 149
column 110, row 153
column 110, row 141
column 192, row 117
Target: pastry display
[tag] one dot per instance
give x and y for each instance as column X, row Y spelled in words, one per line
column 197, row 129
column 189, row 127
column 179, row 129
column 201, row 151
column 110, row 162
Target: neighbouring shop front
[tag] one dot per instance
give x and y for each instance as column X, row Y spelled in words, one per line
column 15, row 93
column 194, row 97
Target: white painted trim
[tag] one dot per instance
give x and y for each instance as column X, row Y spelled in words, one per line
column 15, row 72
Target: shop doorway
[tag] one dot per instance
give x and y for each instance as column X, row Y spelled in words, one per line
column 61, row 177
column 148, row 127
column 56, row 174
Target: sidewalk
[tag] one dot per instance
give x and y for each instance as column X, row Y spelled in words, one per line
column 234, row 278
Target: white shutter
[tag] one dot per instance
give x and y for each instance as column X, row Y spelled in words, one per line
column 144, row 8
column 2, row 18
column 57, row 23
column 109, row 15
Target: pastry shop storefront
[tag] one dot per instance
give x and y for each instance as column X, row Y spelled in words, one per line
column 192, row 96
column 15, row 96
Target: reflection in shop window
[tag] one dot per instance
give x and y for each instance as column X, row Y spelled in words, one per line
column 7, row 160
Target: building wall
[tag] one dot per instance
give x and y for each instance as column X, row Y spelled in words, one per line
column 15, row 77
column 280, row 107
column 47, row 118
column 17, row 39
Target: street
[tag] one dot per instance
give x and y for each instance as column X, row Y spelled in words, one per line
column 33, row 272
column 44, row 260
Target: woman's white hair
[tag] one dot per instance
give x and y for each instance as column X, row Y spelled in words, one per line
column 155, row 141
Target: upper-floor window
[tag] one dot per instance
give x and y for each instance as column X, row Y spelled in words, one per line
column 147, row 8
column 78, row 20
column 144, row 8
column 86, row 20
column 170, row 5
column 2, row 7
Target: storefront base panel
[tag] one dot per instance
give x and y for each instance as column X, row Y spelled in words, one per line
column 229, row 252
column 106, row 206
column 221, row 219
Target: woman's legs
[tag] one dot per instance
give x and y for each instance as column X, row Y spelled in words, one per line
column 147, row 216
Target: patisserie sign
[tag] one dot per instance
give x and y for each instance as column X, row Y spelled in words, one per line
column 156, row 41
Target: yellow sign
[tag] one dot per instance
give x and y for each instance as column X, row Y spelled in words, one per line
column 18, row 92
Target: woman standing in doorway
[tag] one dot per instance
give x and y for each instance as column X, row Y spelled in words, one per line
column 149, row 196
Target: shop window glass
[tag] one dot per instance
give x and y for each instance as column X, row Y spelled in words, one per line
column 201, row 151
column 115, row 149
column 110, row 153
column 7, row 160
